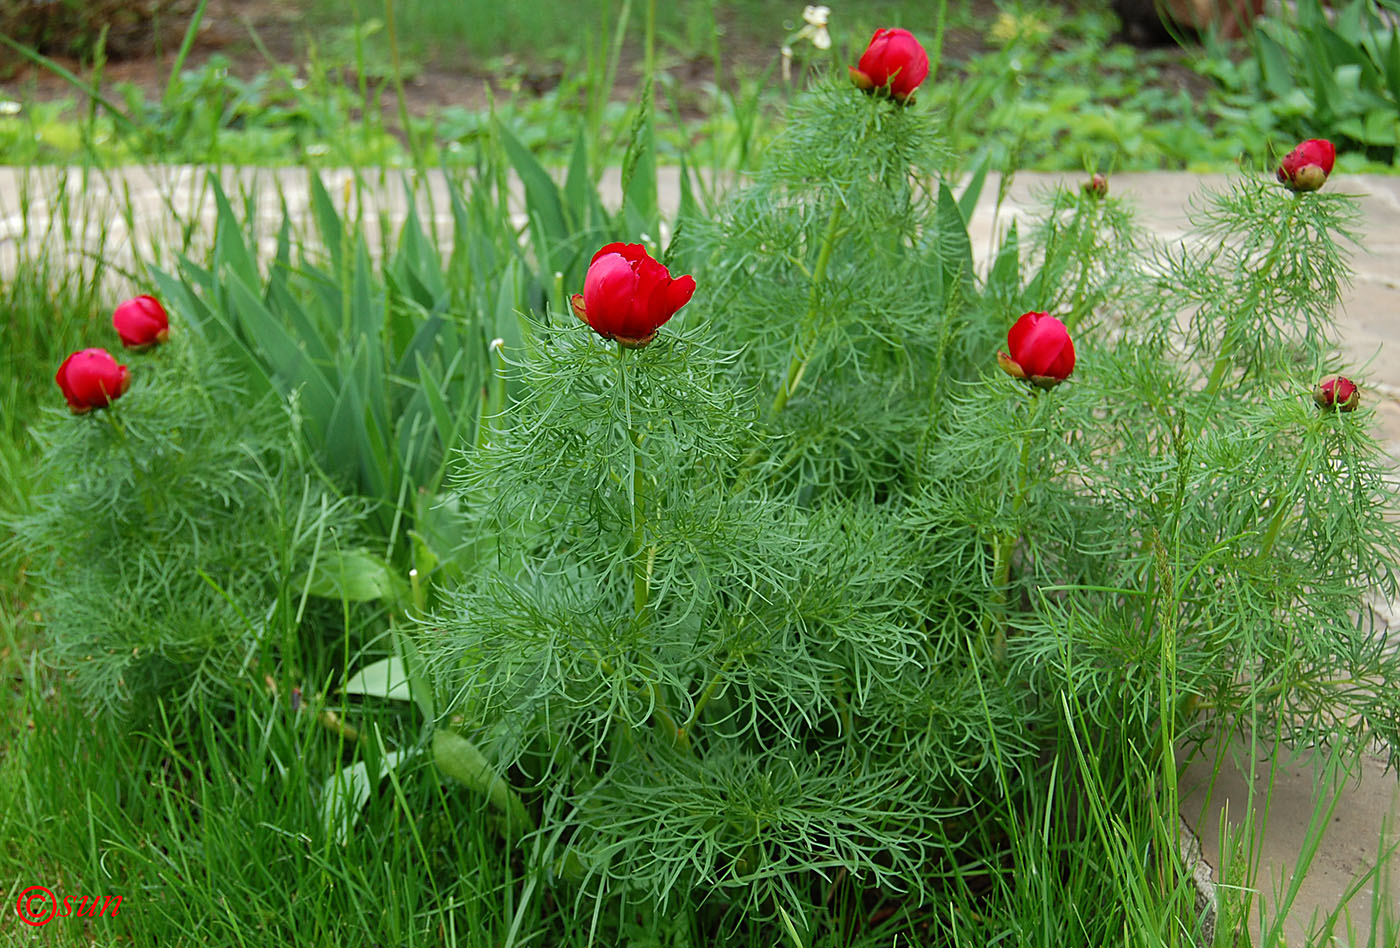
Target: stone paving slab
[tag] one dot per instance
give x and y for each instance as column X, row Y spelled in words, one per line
column 135, row 211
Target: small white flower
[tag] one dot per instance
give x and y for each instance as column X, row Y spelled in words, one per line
column 815, row 30
column 10, row 107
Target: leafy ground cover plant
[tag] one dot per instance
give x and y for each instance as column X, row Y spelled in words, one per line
column 1313, row 71
column 1038, row 86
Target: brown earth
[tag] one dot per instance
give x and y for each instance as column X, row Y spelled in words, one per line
column 253, row 35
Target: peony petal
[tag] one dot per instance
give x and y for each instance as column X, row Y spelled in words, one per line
column 907, row 63
column 632, row 253
column 679, row 293
column 609, row 290
column 65, row 386
column 1016, row 337
column 1044, row 347
column 872, row 61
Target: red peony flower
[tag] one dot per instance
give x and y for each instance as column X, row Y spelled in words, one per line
column 91, row 379
column 1097, row 186
column 893, row 63
column 627, row 295
column 1306, row 167
column 1040, row 351
column 1337, row 393
column 141, row 322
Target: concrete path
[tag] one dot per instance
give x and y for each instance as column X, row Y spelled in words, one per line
column 134, row 212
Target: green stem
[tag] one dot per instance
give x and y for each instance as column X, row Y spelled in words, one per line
column 1271, row 534
column 138, row 476
column 1076, row 307
column 801, row 355
column 802, row 345
column 936, row 48
column 392, row 29
column 704, row 699
column 640, row 560
column 1228, row 344
column 1006, row 543
column 641, row 556
column 636, row 547
column 649, row 61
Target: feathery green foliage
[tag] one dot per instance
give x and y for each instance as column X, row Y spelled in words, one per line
column 841, row 603
column 175, row 517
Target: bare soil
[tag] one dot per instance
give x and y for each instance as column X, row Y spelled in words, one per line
column 253, row 35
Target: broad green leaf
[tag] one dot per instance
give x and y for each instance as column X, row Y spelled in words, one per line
column 968, row 202
column 1392, row 64
column 415, row 667
column 355, row 576
column 578, row 188
column 954, row 245
column 460, row 759
column 542, row 202
column 386, row 678
column 327, row 222
column 1274, row 61
column 347, row 791
column 1004, row 278
column 230, row 249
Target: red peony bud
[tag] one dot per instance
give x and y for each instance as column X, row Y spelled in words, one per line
column 1337, row 393
column 627, row 295
column 141, row 322
column 1040, row 351
column 91, row 379
column 1097, row 186
column 894, row 64
column 1306, row 167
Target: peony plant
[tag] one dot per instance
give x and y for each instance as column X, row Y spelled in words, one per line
column 803, row 598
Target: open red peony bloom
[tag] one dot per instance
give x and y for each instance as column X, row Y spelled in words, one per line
column 141, row 322
column 1040, row 351
column 894, row 63
column 90, row 379
column 1306, row 167
column 1337, row 393
column 627, row 295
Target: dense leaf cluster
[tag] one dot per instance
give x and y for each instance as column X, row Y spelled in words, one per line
column 176, row 518
column 809, row 586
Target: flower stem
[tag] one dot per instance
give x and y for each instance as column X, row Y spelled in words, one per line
column 137, row 474
column 801, row 354
column 1005, row 544
column 636, row 547
column 641, row 557
column 1231, row 339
